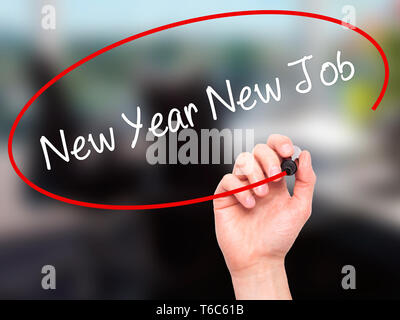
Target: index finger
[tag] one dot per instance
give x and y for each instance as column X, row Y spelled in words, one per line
column 282, row 145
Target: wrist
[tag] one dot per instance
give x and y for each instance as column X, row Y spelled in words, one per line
column 259, row 269
column 263, row 280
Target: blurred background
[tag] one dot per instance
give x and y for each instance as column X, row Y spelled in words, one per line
column 173, row 253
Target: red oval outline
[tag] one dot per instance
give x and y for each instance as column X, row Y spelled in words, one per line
column 155, row 30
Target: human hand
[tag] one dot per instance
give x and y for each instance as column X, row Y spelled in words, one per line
column 256, row 228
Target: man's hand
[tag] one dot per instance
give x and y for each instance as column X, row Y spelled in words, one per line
column 256, row 228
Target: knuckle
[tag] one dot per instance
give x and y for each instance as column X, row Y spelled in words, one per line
column 259, row 149
column 273, row 137
column 242, row 158
column 247, row 155
column 271, row 156
column 279, row 139
column 227, row 177
column 285, row 140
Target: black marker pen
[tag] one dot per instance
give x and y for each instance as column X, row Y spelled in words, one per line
column 289, row 164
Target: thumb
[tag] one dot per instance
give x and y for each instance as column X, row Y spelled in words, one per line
column 305, row 182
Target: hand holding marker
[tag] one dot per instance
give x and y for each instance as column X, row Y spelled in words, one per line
column 256, row 228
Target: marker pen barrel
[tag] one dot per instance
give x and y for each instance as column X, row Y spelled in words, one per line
column 288, row 164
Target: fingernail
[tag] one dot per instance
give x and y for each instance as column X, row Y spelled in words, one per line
column 287, row 149
column 250, row 201
column 274, row 170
